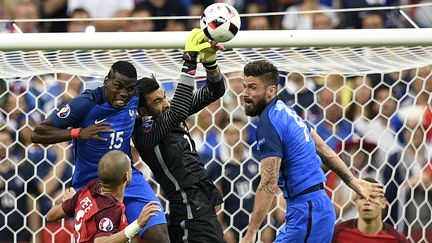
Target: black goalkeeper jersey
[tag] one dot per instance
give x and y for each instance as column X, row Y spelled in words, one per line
column 165, row 145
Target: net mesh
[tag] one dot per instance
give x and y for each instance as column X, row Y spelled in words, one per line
column 370, row 104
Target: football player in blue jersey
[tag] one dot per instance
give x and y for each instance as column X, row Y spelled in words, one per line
column 288, row 150
column 98, row 121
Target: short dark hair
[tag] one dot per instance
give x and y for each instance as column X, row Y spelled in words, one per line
column 146, row 86
column 264, row 69
column 112, row 167
column 124, row 68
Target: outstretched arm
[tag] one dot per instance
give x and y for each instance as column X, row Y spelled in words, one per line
column 265, row 193
column 364, row 188
column 47, row 133
column 171, row 118
column 132, row 229
column 215, row 86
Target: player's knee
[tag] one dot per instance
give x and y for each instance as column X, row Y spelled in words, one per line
column 156, row 234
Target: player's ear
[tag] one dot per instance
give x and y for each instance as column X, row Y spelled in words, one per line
column 105, row 81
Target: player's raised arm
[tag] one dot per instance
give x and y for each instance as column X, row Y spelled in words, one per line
column 366, row 189
column 132, row 229
column 153, row 102
column 215, row 86
column 64, row 125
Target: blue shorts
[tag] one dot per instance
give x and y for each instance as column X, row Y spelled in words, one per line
column 309, row 218
column 137, row 195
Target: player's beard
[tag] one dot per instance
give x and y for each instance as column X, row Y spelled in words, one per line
column 255, row 109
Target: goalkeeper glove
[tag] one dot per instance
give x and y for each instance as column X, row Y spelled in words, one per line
column 194, row 44
column 208, row 56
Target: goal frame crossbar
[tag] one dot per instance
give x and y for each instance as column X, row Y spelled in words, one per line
column 244, row 39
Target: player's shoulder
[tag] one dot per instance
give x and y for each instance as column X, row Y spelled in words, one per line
column 389, row 229
column 349, row 224
column 93, row 95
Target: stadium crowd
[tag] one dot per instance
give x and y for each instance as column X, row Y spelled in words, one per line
column 379, row 124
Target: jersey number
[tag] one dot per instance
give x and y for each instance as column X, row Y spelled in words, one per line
column 299, row 122
column 116, row 140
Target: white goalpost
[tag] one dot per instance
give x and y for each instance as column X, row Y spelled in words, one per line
column 365, row 91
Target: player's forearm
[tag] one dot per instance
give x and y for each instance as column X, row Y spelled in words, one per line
column 212, row 91
column 55, row 213
column 333, row 161
column 262, row 204
column 49, row 135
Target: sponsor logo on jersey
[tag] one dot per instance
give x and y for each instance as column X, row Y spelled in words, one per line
column 147, row 125
column 106, row 224
column 64, row 112
column 99, row 121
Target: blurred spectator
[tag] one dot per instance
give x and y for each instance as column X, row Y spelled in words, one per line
column 369, row 226
column 329, row 121
column 14, row 110
column 361, row 105
column 165, row 8
column 409, row 178
column 419, row 88
column 54, row 9
column 19, row 190
column 322, row 21
column 27, row 9
column 422, row 15
column 353, row 18
column 195, row 9
column 104, row 9
column 383, row 126
column 299, row 93
column 207, row 132
column 294, row 21
column 140, row 25
column 256, row 22
column 372, row 20
column 358, row 156
column 78, row 26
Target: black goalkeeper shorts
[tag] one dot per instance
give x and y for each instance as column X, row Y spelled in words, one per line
column 202, row 229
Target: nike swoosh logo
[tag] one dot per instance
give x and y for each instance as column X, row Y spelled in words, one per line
column 99, row 121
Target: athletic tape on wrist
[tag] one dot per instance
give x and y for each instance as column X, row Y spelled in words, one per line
column 75, row 132
column 132, row 229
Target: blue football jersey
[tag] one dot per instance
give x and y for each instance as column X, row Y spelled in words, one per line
column 282, row 133
column 90, row 108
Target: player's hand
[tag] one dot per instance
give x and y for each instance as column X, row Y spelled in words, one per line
column 208, row 55
column 367, row 190
column 93, row 131
column 248, row 238
column 68, row 194
column 195, row 43
column 147, row 212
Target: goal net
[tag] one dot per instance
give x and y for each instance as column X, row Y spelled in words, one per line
column 370, row 100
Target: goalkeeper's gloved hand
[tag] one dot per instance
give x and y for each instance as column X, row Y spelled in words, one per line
column 195, row 43
column 207, row 56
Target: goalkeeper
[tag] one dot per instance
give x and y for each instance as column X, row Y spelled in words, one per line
column 164, row 143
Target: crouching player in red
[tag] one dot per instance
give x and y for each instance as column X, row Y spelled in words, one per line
column 98, row 208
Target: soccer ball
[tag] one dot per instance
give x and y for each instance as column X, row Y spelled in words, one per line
column 220, row 22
